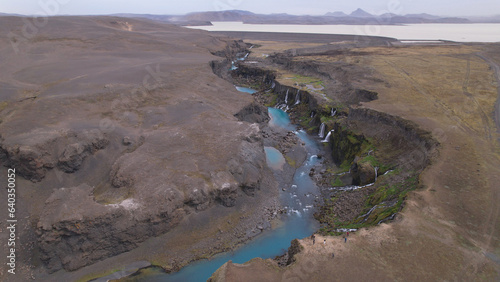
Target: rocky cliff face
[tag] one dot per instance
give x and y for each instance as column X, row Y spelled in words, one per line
column 35, row 152
column 345, row 144
column 76, row 231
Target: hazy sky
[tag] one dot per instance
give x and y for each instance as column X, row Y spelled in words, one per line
column 313, row 7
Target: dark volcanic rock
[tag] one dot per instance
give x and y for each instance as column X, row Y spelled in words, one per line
column 289, row 257
column 75, row 231
column 40, row 153
column 363, row 95
column 74, row 154
column 30, row 162
column 362, row 173
column 344, row 144
column 253, row 113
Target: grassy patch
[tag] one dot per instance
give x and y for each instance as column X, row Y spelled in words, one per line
column 304, row 121
column 291, row 161
column 3, row 105
column 305, row 80
column 336, row 182
column 327, row 119
column 386, row 201
column 391, row 192
column 352, row 139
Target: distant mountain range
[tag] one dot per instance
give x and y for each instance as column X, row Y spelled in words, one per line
column 358, row 16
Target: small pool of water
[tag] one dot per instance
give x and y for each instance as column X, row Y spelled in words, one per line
column 275, row 159
column 246, row 90
column 280, row 118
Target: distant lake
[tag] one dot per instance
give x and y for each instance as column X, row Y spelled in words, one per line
column 454, row 32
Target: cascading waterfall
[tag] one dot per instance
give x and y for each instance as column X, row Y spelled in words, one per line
column 284, row 106
column 365, row 216
column 312, row 114
column 327, row 138
column 233, row 66
column 388, row 171
column 333, row 112
column 322, row 130
column 273, row 85
column 352, row 187
column 297, row 97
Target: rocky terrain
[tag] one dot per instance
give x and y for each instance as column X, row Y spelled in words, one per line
column 126, row 146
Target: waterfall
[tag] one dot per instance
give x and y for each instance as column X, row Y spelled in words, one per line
column 233, row 66
column 273, row 85
column 368, row 213
column 349, row 188
column 312, row 114
column 322, row 130
column 376, row 171
column 297, row 97
column 327, row 138
column 388, row 171
column 332, row 112
column 283, row 107
column 246, row 55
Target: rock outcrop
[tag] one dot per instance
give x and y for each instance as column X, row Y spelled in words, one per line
column 75, row 231
column 362, row 172
column 345, row 144
column 88, row 142
column 253, row 113
column 36, row 152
